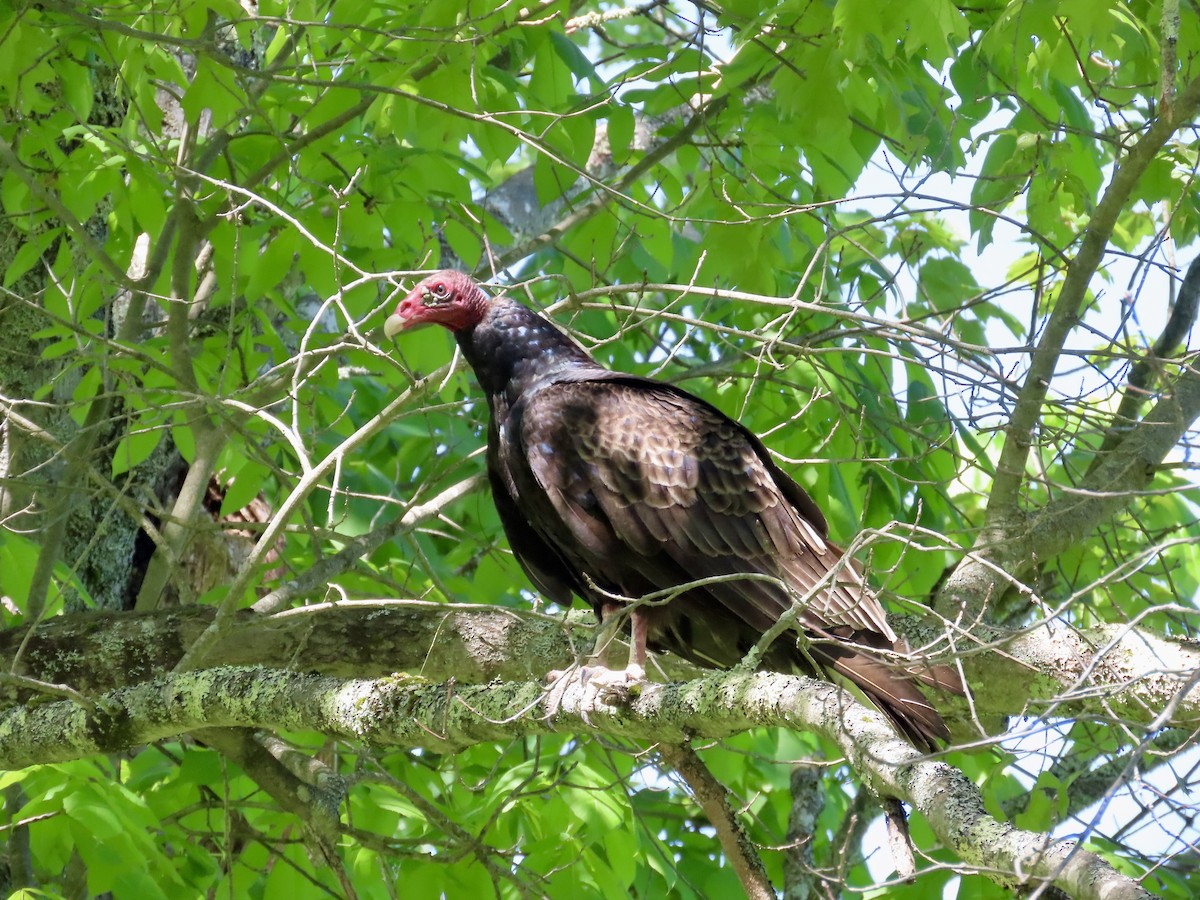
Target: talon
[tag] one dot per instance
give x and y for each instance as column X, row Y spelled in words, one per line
column 600, row 686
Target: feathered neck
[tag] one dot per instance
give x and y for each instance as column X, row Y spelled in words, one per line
column 512, row 349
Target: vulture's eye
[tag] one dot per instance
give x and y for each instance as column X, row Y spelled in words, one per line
column 439, row 290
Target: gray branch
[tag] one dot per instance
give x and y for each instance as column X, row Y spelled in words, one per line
column 1114, row 672
column 1010, row 469
column 1009, row 551
column 406, row 712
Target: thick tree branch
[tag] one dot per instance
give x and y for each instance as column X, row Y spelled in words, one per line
column 1109, row 672
column 1116, row 673
column 801, row 881
column 474, row 644
column 408, row 712
column 1115, row 483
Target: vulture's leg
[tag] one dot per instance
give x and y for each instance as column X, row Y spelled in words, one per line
column 605, row 677
column 639, row 628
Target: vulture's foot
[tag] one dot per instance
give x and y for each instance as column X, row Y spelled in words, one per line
column 601, row 687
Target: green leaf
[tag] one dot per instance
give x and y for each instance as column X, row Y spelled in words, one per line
column 29, row 253
column 947, row 283
column 86, row 807
column 465, row 243
column 185, row 441
column 135, row 447
column 268, row 266
column 212, row 90
column 15, row 198
column 246, row 484
column 568, row 51
column 77, row 87
column 1006, row 169
column 620, row 132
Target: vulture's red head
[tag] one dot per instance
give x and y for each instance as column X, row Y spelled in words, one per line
column 448, row 298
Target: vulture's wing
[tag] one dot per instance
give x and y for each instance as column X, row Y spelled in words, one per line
column 649, row 480
column 541, row 562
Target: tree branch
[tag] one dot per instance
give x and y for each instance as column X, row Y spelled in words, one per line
column 801, row 881
column 402, row 712
column 1144, row 374
column 714, row 800
column 1075, row 512
column 315, row 805
column 1010, row 470
column 1108, row 671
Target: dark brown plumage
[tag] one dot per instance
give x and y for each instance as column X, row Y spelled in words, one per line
column 613, row 486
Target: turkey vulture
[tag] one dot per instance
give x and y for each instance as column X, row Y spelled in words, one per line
column 614, row 487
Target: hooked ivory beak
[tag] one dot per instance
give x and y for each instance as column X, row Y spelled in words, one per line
column 393, row 325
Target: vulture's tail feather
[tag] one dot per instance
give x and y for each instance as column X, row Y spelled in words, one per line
column 893, row 690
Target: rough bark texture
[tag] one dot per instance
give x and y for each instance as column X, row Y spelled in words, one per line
column 1109, row 671
column 402, row 712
